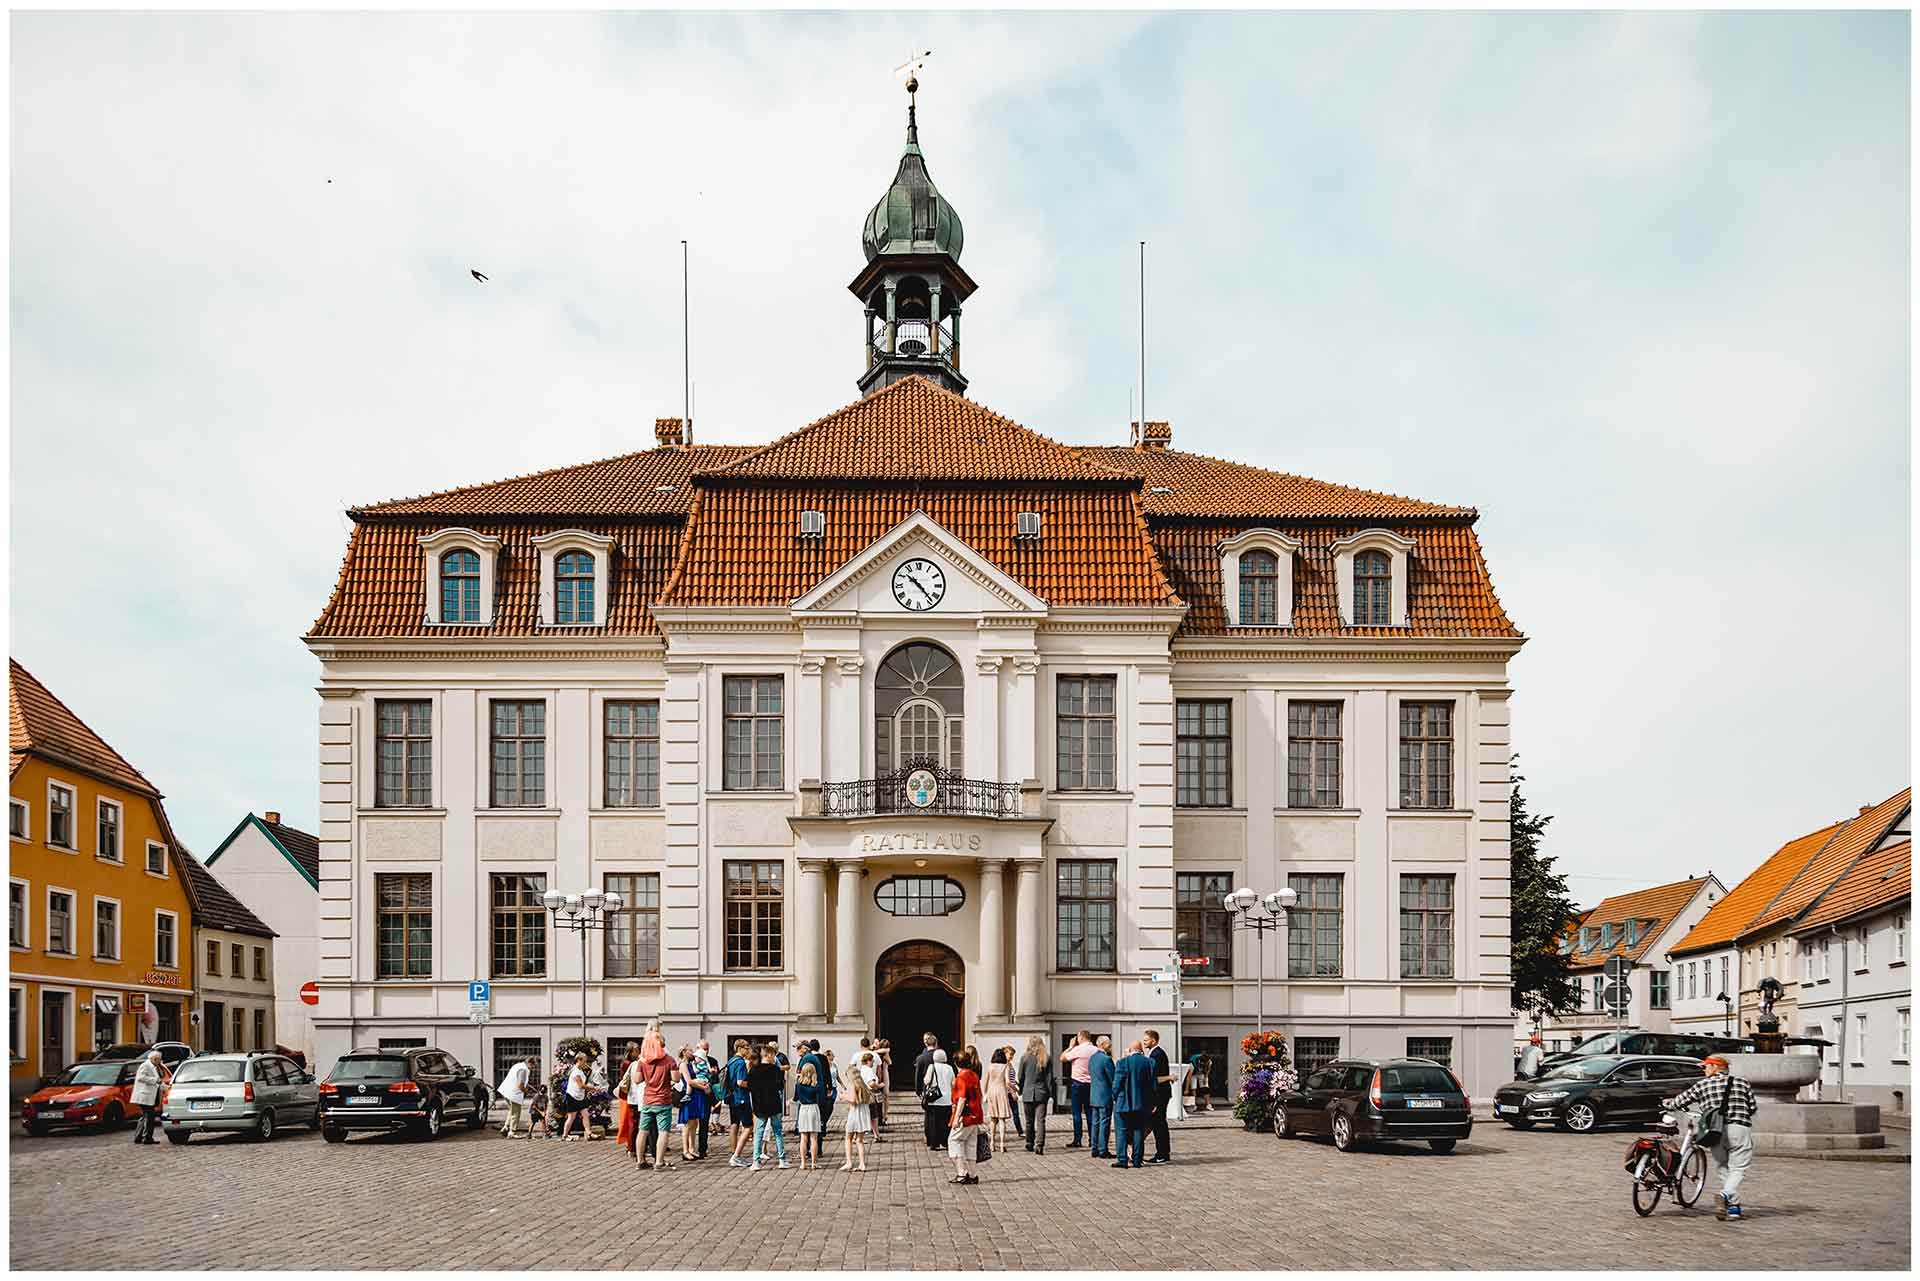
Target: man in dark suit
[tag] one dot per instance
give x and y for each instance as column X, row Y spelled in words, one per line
column 1100, row 1097
column 1162, row 1095
column 1133, row 1093
column 929, row 1043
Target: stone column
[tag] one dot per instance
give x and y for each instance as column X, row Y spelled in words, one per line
column 1022, row 719
column 810, row 932
column 846, row 941
column 993, row 941
column 1026, row 945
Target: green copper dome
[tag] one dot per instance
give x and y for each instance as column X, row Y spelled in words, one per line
column 913, row 217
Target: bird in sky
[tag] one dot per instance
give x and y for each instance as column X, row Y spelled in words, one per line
column 477, row 276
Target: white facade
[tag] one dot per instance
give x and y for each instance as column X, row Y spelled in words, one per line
column 1699, row 979
column 1651, row 983
column 235, row 1001
column 1862, row 1002
column 270, row 882
column 1012, row 650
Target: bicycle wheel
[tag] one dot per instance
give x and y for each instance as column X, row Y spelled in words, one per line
column 1692, row 1178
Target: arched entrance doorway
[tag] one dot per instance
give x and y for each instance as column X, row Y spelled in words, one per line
column 918, row 987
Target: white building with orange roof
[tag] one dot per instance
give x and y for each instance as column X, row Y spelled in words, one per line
column 913, row 720
column 1641, row 928
column 1863, row 993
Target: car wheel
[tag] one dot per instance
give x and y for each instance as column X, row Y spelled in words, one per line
column 178, row 1134
column 37, row 1129
column 478, row 1121
column 430, row 1127
column 263, row 1128
column 1343, row 1132
column 1282, row 1127
column 1580, row 1117
column 1443, row 1145
column 114, row 1118
column 333, row 1134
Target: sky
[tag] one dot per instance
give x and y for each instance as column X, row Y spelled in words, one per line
column 1635, row 287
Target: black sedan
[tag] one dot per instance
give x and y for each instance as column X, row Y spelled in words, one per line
column 1585, row 1093
column 1356, row 1100
column 413, row 1089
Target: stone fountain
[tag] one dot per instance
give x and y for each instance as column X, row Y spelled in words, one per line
column 1782, row 1124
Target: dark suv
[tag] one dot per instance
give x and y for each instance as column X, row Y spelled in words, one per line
column 1355, row 1100
column 1584, row 1093
column 416, row 1089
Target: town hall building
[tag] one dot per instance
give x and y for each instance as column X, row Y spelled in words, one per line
column 914, row 719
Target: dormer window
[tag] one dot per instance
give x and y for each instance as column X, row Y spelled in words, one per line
column 573, row 577
column 460, row 574
column 1256, row 573
column 1370, row 576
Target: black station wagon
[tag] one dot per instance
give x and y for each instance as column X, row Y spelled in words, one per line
column 1354, row 1101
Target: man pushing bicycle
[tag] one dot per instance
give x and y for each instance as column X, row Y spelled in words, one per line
column 1726, row 1105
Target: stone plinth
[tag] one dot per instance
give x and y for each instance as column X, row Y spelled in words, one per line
column 1783, row 1126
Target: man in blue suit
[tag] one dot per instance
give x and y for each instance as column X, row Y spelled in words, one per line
column 1134, row 1091
column 1100, row 1097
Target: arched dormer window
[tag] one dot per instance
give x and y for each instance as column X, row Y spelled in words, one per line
column 459, row 574
column 573, row 577
column 460, row 586
column 1256, row 578
column 1370, row 578
column 918, row 696
column 573, row 588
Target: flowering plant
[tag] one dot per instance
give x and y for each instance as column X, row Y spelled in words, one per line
column 1264, row 1046
column 1265, row 1074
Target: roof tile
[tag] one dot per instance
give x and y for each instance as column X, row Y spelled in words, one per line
column 214, row 906
column 1726, row 919
column 1201, row 486
column 38, row 722
column 1880, row 879
column 1832, row 862
column 1659, row 904
column 629, row 485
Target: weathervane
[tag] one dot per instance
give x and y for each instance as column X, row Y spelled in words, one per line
column 910, row 71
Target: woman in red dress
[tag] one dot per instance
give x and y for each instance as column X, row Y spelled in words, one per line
column 627, row 1114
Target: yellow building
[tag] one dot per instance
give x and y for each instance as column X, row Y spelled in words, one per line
column 100, row 917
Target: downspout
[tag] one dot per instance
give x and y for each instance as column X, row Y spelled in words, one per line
column 1845, row 1020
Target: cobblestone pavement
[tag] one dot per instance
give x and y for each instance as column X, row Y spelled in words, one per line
column 1230, row 1200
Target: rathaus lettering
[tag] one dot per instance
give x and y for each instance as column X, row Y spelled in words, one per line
column 881, row 842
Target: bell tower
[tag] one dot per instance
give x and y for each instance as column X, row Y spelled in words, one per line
column 912, row 285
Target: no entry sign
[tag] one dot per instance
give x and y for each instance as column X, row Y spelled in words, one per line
column 310, row 993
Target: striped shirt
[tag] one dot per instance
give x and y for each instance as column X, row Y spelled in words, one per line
column 1723, row 1092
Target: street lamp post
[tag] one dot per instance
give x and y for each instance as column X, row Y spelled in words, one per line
column 1726, row 1002
column 588, row 910
column 1242, row 902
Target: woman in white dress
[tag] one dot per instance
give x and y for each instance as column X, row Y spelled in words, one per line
column 858, row 1084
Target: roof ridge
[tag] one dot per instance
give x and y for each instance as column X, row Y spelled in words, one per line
column 1442, row 508
column 1839, row 827
column 541, row 474
column 17, row 669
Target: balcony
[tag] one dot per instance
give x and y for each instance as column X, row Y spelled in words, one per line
column 922, row 790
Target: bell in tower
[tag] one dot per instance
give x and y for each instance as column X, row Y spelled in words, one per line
column 912, row 284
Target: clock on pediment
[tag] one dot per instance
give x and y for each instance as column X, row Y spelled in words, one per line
column 919, row 584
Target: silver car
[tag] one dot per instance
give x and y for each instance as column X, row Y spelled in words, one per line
column 254, row 1094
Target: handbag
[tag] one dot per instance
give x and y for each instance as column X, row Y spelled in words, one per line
column 982, row 1150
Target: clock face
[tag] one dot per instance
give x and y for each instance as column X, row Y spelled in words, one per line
column 919, row 584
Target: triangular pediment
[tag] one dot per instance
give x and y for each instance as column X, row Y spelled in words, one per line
column 852, row 586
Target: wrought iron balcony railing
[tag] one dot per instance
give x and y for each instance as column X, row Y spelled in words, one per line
column 920, row 789
column 918, row 338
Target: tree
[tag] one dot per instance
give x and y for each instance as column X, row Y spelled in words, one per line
column 1541, row 910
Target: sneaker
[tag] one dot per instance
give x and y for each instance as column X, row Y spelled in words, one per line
column 735, row 1163
column 755, row 1167
column 1733, row 1210
column 785, row 1166
column 1719, row 1206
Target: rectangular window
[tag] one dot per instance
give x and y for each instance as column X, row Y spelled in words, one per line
column 1599, row 986
column 1657, row 989
column 509, row 1050
column 1806, row 965
column 756, row 901
column 1203, row 923
column 1724, row 989
column 1311, row 1053
column 156, row 858
column 1203, row 752
column 1900, row 938
column 1084, row 733
column 17, row 1024
column 519, row 754
column 403, row 752
column 1426, row 927
column 166, row 940
column 1861, row 965
column 1904, row 1019
column 240, row 1031
column 106, row 833
column 1426, row 756
column 17, row 824
column 213, row 957
column 19, row 934
column 59, row 922
column 633, row 754
column 1437, row 1048
column 259, row 964
column 1859, row 1056
column 754, row 733
column 519, row 926
column 1086, row 914
column 260, row 1029
column 1315, row 926
column 60, row 816
column 239, row 967
column 404, row 908
column 633, row 932
column 106, row 929
column 1313, row 755
column 1826, row 959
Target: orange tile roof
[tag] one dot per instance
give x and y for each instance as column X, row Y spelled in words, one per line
column 1880, row 879
column 629, row 485
column 1726, row 919
column 39, row 724
column 1203, row 486
column 913, row 430
column 1450, row 592
column 742, row 546
column 1660, row 904
column 1831, row 863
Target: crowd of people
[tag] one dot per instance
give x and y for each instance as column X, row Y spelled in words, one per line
column 657, row 1096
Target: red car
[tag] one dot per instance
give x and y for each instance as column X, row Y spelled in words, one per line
column 86, row 1094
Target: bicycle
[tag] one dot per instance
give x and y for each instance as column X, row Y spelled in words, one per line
column 1658, row 1166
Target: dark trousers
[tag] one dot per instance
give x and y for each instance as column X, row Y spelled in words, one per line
column 1100, row 1118
column 1157, row 1122
column 148, row 1123
column 1017, row 1109
column 939, row 1121
column 1078, row 1092
column 1133, row 1138
column 1037, row 1125
column 700, row 1137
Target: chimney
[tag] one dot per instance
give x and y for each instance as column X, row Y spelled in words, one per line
column 670, row 433
column 272, row 816
column 1153, row 435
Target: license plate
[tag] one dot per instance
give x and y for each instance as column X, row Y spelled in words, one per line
column 363, row 1098
column 1505, row 1107
column 1426, row 1103
column 205, row 1105
column 53, row 1114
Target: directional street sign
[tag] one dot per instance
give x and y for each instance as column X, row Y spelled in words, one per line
column 1196, row 960
column 1189, row 1005
column 1164, row 976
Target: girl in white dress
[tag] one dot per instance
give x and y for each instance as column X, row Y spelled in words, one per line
column 859, row 1083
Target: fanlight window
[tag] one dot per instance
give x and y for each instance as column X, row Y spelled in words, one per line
column 1372, row 590
column 460, row 586
column 573, row 588
column 919, row 896
column 918, row 694
column 1259, row 589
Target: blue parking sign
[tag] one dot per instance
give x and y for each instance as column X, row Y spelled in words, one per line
column 477, row 992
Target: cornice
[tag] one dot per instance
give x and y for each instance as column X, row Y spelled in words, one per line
column 1421, row 649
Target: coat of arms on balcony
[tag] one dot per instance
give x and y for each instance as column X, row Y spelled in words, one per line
column 923, row 789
